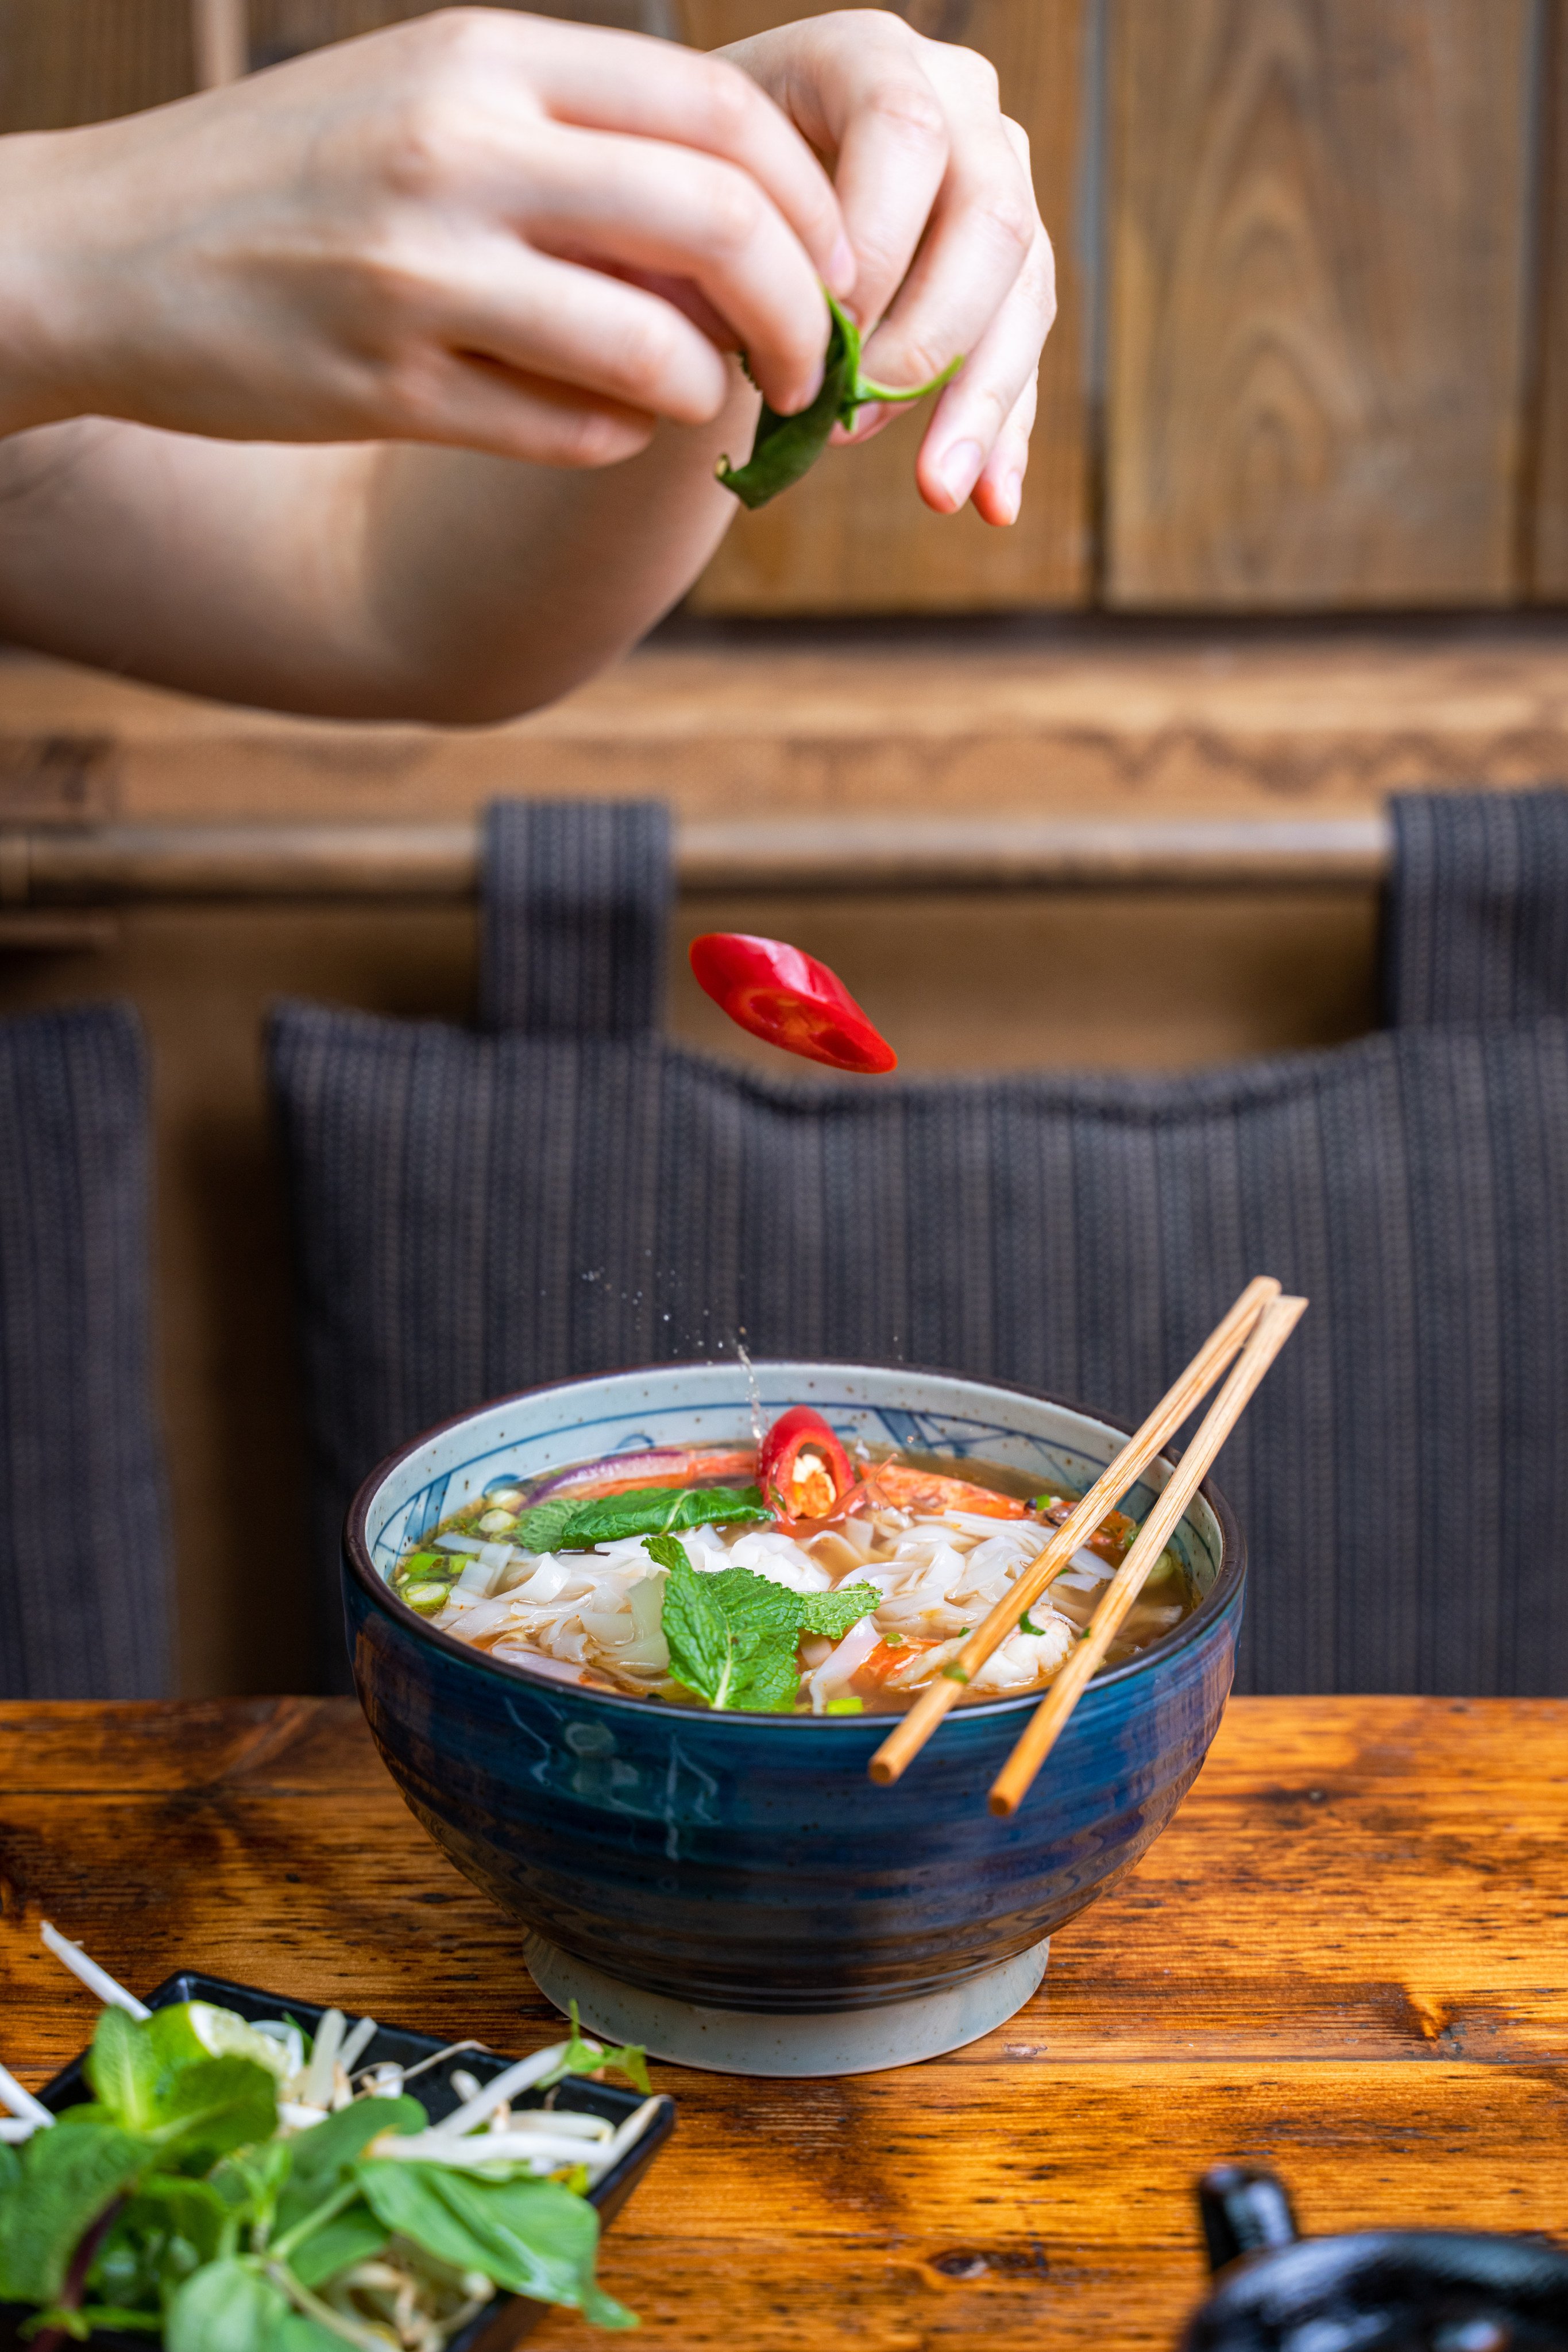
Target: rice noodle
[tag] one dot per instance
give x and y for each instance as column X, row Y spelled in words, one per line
column 596, row 1615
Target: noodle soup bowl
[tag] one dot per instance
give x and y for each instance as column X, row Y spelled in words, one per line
column 732, row 1889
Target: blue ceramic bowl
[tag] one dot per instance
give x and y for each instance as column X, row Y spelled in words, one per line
column 746, row 1863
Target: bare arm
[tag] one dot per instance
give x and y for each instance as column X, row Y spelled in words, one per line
column 380, row 582
column 413, row 409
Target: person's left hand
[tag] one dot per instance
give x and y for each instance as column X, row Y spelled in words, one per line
column 953, row 257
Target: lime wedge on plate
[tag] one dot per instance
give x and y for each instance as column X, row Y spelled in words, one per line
column 197, row 2029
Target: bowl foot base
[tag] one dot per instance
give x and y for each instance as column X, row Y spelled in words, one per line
column 749, row 2042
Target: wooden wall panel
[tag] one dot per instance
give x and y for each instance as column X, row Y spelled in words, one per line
column 1317, row 237
column 855, row 537
column 66, row 61
column 282, row 29
column 1549, row 532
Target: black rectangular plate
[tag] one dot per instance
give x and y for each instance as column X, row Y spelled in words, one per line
column 509, row 2319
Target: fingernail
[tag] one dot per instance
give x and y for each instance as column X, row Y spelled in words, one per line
column 1013, row 496
column 808, row 391
column 960, row 470
column 842, row 267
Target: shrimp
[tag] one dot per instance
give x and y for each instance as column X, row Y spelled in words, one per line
column 909, row 1489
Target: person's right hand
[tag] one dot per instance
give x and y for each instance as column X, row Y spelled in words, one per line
column 478, row 227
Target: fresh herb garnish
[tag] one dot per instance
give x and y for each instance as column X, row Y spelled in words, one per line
column 1027, row 1626
column 172, row 2207
column 785, row 447
column 734, row 1635
column 581, row 2057
column 563, row 1525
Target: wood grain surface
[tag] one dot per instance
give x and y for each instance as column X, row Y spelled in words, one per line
column 1549, row 523
column 854, row 537
column 67, row 61
column 1318, row 235
column 1071, row 717
column 1346, row 1957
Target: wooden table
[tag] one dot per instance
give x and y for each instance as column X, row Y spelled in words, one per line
column 1346, row 1957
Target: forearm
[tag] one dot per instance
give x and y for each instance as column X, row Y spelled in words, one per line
column 492, row 593
column 393, row 581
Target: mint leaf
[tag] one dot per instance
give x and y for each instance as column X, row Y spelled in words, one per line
column 766, row 1680
column 166, row 2230
column 68, row 2178
column 216, row 2105
column 833, row 1612
column 123, row 2069
column 701, row 1652
column 755, row 1605
column 734, row 1634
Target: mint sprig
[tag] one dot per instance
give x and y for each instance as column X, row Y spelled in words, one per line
column 734, row 1635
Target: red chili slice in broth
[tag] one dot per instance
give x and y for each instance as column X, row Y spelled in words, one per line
column 785, row 997
column 802, row 1490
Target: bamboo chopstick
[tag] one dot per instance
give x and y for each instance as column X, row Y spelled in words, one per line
column 1273, row 1328
column 1190, row 1388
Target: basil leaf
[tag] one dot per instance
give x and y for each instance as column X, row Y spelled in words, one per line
column 68, row 2179
column 563, row 1526
column 352, row 2236
column 323, row 2153
column 123, row 2069
column 531, row 2236
column 542, row 1528
column 230, row 2308
column 785, row 447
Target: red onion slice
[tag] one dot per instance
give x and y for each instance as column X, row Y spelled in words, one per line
column 664, row 1466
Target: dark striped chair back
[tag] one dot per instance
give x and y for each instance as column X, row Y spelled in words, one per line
column 84, row 1561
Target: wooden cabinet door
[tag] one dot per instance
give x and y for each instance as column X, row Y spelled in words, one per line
column 854, row 537
column 1318, row 214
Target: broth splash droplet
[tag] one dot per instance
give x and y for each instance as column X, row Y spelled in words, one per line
column 758, row 1427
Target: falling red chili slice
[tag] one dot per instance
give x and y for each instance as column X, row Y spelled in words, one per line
column 802, row 1468
column 784, row 996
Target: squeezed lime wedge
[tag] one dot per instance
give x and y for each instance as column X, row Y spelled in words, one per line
column 198, row 2029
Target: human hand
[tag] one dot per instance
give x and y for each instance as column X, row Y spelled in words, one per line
column 952, row 254
column 528, row 237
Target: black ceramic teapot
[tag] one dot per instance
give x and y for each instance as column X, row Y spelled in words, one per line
column 1376, row 2291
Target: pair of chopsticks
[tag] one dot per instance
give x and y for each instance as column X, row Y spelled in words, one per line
column 1248, row 1338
